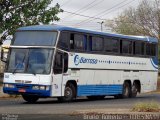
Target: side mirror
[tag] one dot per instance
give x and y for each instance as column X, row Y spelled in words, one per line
column 3, row 56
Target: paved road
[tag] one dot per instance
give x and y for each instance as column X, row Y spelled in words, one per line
column 52, row 106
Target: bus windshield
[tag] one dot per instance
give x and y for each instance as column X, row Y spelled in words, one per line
column 35, row 38
column 34, row 61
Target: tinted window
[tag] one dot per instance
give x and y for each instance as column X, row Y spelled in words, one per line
column 151, row 49
column 111, row 45
column 126, row 47
column 96, row 43
column 78, row 41
column 64, row 40
column 139, row 48
column 35, row 38
column 36, row 61
column 60, row 60
column 58, row 64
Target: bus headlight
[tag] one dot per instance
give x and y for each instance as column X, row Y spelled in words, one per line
column 42, row 87
column 8, row 85
column 35, row 87
column 47, row 87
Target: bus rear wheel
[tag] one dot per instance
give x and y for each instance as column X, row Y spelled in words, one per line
column 69, row 93
column 134, row 90
column 126, row 91
column 30, row 98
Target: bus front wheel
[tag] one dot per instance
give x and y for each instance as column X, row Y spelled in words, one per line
column 69, row 93
column 30, row 98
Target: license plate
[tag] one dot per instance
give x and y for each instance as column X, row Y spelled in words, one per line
column 22, row 90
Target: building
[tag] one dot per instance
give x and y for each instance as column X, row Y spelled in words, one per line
column 2, row 64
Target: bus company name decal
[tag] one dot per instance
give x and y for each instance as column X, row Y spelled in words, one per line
column 78, row 60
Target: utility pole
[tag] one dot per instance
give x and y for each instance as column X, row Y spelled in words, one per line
column 101, row 23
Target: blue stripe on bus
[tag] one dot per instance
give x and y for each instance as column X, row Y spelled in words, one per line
column 154, row 63
column 155, row 60
column 90, row 90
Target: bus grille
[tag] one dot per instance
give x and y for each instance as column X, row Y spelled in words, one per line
column 23, row 86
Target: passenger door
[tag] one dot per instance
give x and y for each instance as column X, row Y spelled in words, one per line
column 57, row 74
column 60, row 67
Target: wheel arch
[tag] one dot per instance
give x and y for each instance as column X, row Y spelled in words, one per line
column 128, row 81
column 72, row 82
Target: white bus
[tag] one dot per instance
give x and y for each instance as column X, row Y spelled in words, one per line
column 63, row 62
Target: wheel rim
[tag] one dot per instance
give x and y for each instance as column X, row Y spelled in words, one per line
column 134, row 89
column 68, row 92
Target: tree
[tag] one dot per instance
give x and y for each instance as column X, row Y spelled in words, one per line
column 143, row 20
column 17, row 13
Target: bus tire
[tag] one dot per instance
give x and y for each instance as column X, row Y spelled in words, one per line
column 69, row 93
column 126, row 91
column 30, row 98
column 134, row 90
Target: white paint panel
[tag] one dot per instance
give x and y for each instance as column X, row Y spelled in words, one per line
column 34, row 79
column 86, row 77
column 80, row 60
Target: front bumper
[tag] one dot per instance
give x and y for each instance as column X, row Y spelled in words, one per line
column 27, row 89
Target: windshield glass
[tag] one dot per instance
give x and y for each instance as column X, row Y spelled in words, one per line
column 34, row 61
column 36, row 38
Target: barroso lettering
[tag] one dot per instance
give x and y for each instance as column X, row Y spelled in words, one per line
column 78, row 60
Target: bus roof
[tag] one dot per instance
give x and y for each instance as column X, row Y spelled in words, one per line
column 64, row 28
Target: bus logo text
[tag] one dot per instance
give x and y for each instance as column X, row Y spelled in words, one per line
column 78, row 60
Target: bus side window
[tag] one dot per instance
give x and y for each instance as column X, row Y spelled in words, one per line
column 151, row 49
column 78, row 42
column 64, row 41
column 65, row 57
column 72, row 41
column 58, row 63
column 126, row 47
column 111, row 45
column 138, row 48
column 96, row 43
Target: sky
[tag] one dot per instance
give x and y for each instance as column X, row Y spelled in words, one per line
column 101, row 9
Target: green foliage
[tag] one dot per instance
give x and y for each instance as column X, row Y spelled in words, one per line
column 159, row 54
column 16, row 13
column 146, row 107
column 143, row 20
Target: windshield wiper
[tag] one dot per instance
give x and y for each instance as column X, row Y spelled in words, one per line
column 32, row 72
column 18, row 65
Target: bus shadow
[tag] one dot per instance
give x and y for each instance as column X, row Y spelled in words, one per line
column 78, row 100
column 84, row 99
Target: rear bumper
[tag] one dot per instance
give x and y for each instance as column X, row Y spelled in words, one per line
column 27, row 89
